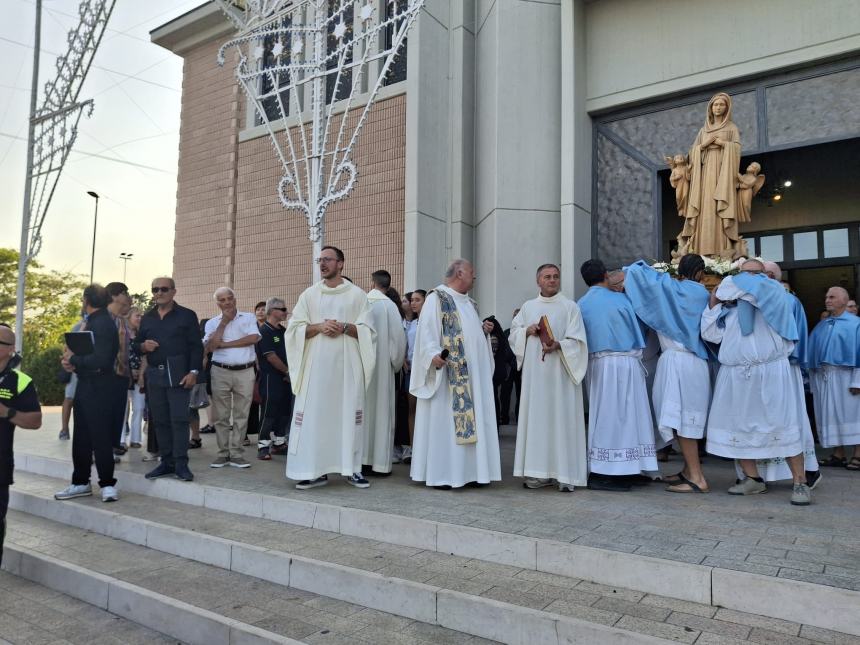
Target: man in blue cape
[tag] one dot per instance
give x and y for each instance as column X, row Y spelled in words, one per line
column 620, row 426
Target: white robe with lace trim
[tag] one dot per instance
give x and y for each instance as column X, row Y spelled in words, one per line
column 437, row 459
column 551, row 424
column 390, row 352
column 328, row 377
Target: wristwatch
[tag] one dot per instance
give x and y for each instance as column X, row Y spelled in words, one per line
column 10, row 413
column 195, row 372
column 345, row 327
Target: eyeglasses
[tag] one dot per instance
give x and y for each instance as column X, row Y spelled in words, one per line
column 3, row 342
column 753, row 271
column 324, row 260
column 284, row 309
column 161, row 289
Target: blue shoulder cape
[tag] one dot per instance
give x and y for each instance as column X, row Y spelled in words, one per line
column 610, row 322
column 799, row 354
column 835, row 341
column 770, row 301
column 671, row 307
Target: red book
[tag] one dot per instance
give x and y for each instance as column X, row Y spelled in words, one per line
column 545, row 333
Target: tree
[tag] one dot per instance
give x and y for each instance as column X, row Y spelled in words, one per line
column 53, row 305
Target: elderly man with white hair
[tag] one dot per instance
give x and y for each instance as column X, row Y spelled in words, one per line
column 834, row 362
column 230, row 337
column 456, row 441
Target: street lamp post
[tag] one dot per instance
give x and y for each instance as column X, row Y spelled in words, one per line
column 94, row 195
column 125, row 257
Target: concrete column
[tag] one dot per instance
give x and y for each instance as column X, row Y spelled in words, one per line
column 517, row 149
column 439, row 141
column 576, row 145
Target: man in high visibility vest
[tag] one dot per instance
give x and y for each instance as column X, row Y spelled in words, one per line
column 19, row 406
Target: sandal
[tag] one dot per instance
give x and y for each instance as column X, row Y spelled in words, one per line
column 686, row 486
column 195, row 443
column 854, row 464
column 833, row 462
column 677, row 478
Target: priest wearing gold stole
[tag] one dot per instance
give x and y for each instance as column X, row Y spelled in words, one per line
column 548, row 339
column 331, row 352
column 456, row 442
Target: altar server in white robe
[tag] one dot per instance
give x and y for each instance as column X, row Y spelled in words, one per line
column 551, row 426
column 620, row 424
column 682, row 385
column 834, row 361
column 755, row 412
column 331, row 353
column 390, row 354
column 777, row 469
column 455, row 442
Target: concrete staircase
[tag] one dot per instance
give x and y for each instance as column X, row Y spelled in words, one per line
column 436, row 582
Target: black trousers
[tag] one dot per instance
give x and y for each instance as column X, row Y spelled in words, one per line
column 505, row 391
column 168, row 416
column 4, row 504
column 276, row 410
column 119, row 401
column 93, row 435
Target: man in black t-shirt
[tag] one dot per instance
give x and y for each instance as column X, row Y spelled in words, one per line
column 19, row 406
column 275, row 391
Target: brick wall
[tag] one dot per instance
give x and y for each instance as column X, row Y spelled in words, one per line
column 223, row 183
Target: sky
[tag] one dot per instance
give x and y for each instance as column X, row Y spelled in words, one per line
column 136, row 86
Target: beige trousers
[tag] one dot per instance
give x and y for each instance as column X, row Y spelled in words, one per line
column 232, row 392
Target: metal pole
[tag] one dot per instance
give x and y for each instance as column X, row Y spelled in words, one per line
column 95, row 225
column 23, row 254
column 317, row 107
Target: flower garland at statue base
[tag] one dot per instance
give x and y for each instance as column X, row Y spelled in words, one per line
column 715, row 269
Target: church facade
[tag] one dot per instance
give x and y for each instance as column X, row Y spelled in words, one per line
column 520, row 132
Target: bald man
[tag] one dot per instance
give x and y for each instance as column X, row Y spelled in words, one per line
column 834, row 362
column 755, row 412
column 19, row 406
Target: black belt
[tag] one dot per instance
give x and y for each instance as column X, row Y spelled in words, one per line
column 224, row 366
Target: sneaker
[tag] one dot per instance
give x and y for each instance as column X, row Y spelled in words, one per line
column 278, row 449
column 74, row 490
column 207, row 429
column 109, row 494
column 565, row 488
column 134, row 445
column 535, row 482
column 151, row 456
column 748, row 486
column 801, row 495
column 312, row 483
column 357, row 480
column 161, row 470
column 813, row 478
column 396, row 455
column 220, row 462
column 239, row 462
column 263, row 454
column 120, row 450
column 64, row 435
column 407, row 455
column 183, row 473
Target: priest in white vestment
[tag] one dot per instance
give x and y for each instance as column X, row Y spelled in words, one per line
column 456, row 441
column 620, row 424
column 755, row 412
column 551, row 426
column 777, row 469
column 682, row 387
column 331, row 353
column 390, row 353
column 834, row 361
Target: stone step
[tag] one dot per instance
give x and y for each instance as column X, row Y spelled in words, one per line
column 469, row 595
column 194, row 602
column 782, row 598
column 32, row 613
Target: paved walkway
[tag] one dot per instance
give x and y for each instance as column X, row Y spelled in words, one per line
column 676, row 620
column 761, row 534
column 34, row 615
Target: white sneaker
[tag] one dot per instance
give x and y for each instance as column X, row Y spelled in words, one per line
column 565, row 488
column 74, row 490
column 109, row 494
column 536, row 482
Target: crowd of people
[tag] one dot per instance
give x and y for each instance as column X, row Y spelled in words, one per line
column 352, row 381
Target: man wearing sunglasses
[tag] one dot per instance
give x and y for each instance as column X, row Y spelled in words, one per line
column 169, row 337
column 277, row 397
column 19, row 406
